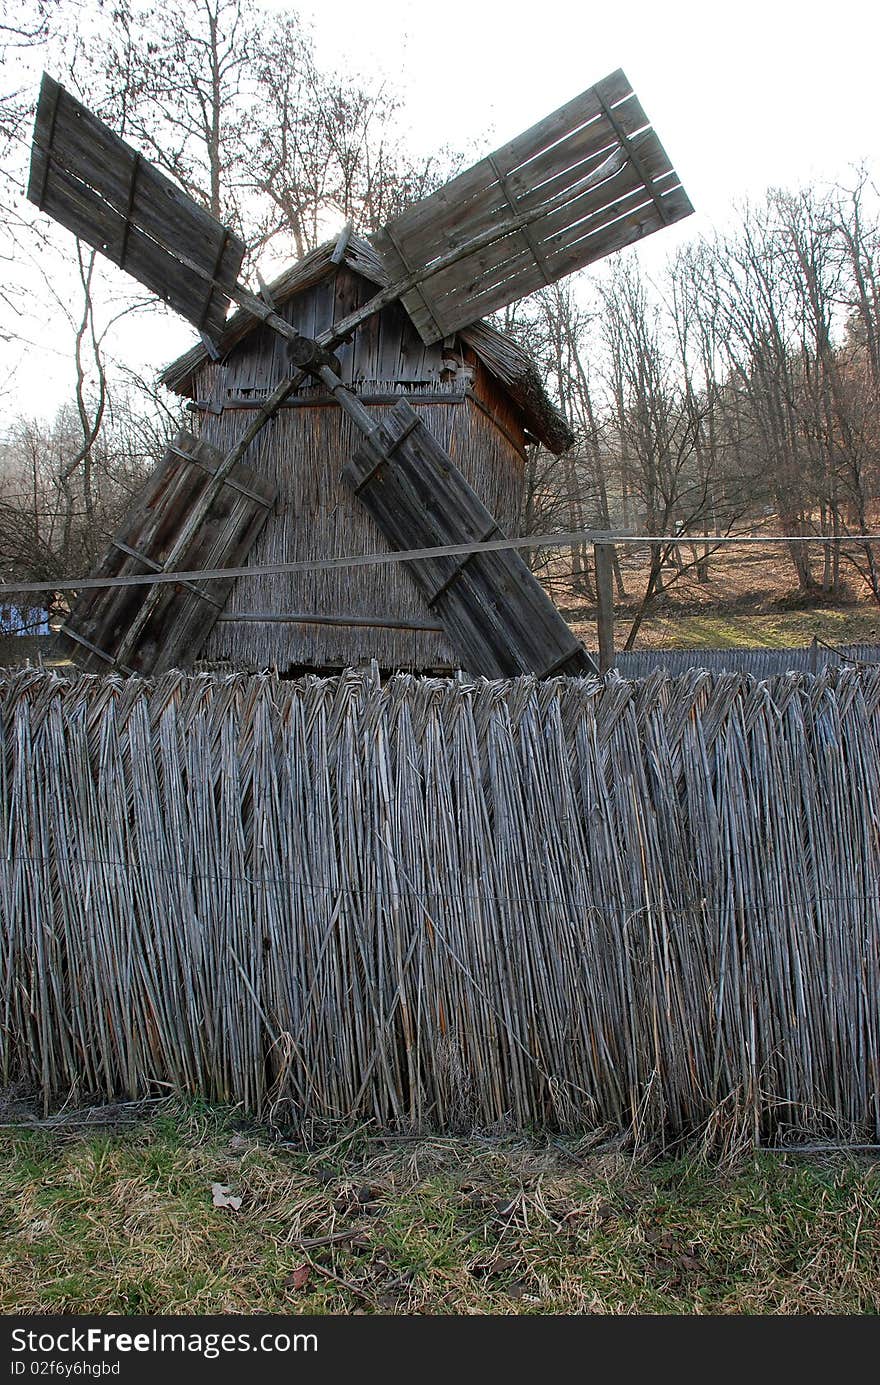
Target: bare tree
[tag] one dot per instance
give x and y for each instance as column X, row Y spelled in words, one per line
column 660, row 423
column 857, row 369
column 174, row 79
column 56, row 513
column 231, row 102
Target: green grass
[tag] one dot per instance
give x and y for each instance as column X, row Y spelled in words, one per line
column 723, row 630
column 123, row 1222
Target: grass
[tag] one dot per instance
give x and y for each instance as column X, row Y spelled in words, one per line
column 748, row 603
column 122, row 1221
column 778, row 630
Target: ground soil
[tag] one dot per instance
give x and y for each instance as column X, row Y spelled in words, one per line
column 749, row 601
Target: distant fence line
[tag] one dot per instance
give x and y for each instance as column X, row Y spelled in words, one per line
column 652, row 907
column 760, row 663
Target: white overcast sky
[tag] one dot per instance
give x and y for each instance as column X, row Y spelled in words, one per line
column 743, row 95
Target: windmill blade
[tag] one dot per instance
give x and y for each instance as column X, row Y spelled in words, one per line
column 496, row 614
column 109, row 195
column 589, row 179
column 149, row 629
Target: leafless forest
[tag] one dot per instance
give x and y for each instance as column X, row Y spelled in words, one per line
column 737, row 390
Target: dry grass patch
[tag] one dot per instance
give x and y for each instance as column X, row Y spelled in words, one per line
column 123, row 1221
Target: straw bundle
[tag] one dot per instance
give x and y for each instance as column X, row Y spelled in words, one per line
column 654, row 907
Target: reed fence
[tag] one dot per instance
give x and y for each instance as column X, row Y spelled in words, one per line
column 650, row 907
column 760, row 663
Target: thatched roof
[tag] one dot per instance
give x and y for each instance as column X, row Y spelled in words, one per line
column 501, row 356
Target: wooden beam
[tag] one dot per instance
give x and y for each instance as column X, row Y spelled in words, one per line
column 301, row 618
column 111, row 625
column 604, row 559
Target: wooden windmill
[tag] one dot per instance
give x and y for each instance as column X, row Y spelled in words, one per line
column 375, row 410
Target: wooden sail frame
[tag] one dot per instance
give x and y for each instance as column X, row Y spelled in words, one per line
column 108, row 195
column 588, row 180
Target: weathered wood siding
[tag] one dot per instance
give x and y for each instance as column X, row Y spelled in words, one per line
column 386, row 347
column 302, row 452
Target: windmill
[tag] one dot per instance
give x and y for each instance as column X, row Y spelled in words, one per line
column 587, row 180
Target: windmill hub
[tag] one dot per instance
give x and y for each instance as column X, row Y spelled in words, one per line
column 307, row 354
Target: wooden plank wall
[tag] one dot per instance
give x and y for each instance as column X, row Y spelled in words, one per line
column 386, row 348
column 317, row 516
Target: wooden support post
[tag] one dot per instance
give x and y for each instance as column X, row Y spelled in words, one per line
column 603, row 554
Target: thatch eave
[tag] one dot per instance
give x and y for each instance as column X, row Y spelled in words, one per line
column 501, row 356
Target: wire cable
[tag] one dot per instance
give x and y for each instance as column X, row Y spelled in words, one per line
column 411, row 555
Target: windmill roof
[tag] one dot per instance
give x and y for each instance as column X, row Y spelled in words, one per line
column 502, row 357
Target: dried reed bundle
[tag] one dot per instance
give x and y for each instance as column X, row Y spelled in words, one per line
column 653, row 906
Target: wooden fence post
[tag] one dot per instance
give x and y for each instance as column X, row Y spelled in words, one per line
column 603, row 554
